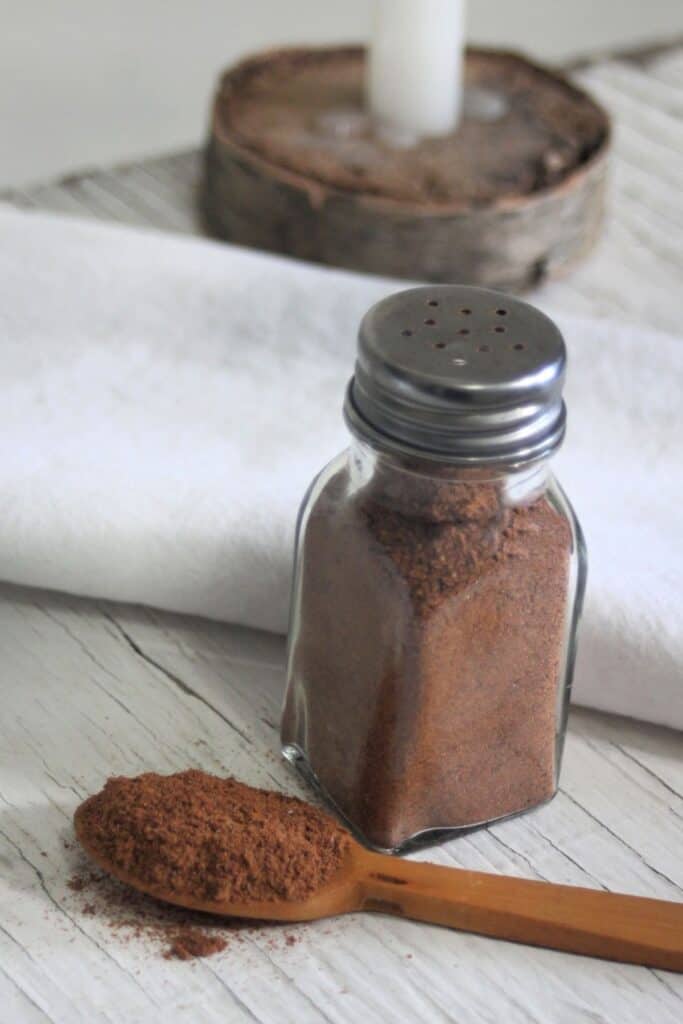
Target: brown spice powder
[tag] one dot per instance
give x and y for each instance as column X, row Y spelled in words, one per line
column 190, row 943
column 209, row 838
column 425, row 674
column 131, row 916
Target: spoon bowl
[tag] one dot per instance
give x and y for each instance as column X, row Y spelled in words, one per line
column 631, row 929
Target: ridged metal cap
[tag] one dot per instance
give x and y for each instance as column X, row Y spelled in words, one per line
column 458, row 374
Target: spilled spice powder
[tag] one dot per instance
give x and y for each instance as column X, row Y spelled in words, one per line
column 131, row 916
column 195, row 835
column 190, row 943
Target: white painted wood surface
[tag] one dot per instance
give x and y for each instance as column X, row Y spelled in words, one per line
column 91, row 689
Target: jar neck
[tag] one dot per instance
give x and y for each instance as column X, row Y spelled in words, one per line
column 391, row 475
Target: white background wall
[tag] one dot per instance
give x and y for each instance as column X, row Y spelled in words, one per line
column 87, row 82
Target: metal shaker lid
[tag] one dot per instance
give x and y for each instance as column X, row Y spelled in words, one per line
column 458, row 374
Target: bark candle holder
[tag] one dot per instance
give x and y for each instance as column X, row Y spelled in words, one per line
column 514, row 196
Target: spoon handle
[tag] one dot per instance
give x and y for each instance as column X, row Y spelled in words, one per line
column 613, row 926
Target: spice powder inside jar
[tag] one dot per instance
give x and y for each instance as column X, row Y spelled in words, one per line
column 432, row 631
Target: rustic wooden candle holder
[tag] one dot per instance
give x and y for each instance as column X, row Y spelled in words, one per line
column 516, row 195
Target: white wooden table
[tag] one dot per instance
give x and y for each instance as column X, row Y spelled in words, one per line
column 92, row 689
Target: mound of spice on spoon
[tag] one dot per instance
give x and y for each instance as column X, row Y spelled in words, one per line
column 212, row 838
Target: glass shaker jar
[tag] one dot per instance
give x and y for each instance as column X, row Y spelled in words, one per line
column 439, row 575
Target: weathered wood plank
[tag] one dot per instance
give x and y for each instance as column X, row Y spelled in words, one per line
column 97, row 689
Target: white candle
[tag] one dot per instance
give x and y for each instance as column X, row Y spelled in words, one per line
column 414, row 76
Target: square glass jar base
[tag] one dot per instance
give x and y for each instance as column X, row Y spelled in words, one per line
column 421, row 840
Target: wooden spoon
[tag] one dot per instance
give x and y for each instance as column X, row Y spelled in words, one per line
column 632, row 929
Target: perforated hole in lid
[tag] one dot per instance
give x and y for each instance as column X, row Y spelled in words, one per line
column 464, row 333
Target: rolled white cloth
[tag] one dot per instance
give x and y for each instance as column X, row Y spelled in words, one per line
column 166, row 402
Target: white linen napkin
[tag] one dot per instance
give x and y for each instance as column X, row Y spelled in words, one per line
column 166, row 402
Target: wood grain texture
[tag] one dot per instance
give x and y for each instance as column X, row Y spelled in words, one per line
column 91, row 689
